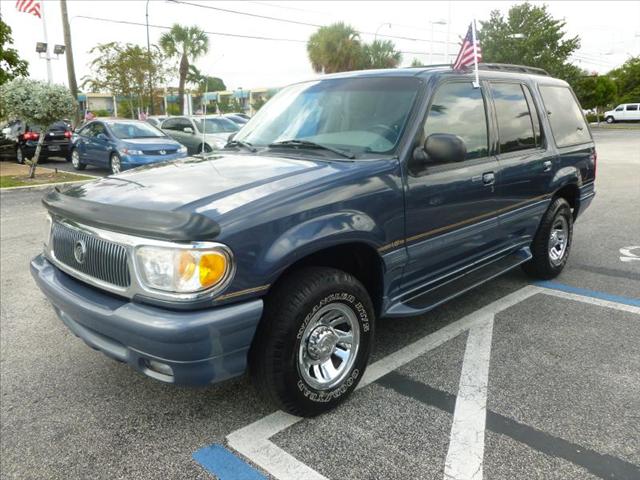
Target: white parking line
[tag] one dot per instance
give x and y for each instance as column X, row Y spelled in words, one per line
column 466, row 445
column 253, row 441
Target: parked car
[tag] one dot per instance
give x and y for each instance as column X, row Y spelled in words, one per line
column 241, row 115
column 627, row 112
column 156, row 120
column 200, row 134
column 358, row 196
column 122, row 144
column 19, row 140
column 235, row 118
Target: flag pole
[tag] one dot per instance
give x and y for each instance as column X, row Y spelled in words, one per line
column 46, row 41
column 476, row 84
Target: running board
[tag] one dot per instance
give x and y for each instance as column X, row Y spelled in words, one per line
column 461, row 283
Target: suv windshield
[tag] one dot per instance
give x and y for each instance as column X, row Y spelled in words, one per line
column 216, row 125
column 125, row 130
column 357, row 115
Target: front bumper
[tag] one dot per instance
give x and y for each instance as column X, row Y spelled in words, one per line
column 133, row 161
column 200, row 347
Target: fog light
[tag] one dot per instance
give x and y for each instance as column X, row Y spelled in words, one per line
column 159, row 367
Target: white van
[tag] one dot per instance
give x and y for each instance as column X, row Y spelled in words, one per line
column 625, row 112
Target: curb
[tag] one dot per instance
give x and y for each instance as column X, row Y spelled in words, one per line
column 43, row 186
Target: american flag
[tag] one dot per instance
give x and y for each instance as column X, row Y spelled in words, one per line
column 465, row 55
column 29, row 6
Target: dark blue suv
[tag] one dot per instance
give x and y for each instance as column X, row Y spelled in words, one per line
column 358, row 196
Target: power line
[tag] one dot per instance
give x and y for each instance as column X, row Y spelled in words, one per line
column 164, row 27
column 296, row 22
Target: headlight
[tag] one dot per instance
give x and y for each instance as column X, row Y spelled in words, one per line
column 188, row 269
column 47, row 229
column 182, row 149
column 129, row 151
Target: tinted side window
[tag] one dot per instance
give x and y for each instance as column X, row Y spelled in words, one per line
column 458, row 109
column 515, row 125
column 535, row 117
column 170, row 124
column 183, row 123
column 619, row 109
column 567, row 123
column 632, row 108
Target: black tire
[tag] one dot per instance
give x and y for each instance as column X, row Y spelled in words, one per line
column 543, row 266
column 19, row 155
column 77, row 165
column 204, row 147
column 610, row 119
column 289, row 309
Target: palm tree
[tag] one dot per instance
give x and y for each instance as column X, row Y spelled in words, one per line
column 382, row 54
column 187, row 43
column 335, row 48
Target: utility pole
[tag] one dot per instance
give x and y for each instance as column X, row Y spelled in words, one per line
column 46, row 42
column 151, row 109
column 71, row 70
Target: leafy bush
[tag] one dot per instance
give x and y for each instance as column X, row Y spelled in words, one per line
column 592, row 117
column 36, row 103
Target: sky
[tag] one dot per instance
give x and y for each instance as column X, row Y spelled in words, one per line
column 609, row 32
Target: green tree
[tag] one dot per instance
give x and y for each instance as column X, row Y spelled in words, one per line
column 627, row 79
column 416, row 63
column 37, row 103
column 529, row 35
column 229, row 104
column 335, row 48
column 187, row 44
column 11, row 65
column 381, row 54
column 123, row 70
column 595, row 92
column 204, row 83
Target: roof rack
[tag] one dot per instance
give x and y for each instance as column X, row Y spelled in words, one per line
column 506, row 67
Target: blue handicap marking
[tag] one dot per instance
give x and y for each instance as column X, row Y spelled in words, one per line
column 634, row 302
column 225, row 465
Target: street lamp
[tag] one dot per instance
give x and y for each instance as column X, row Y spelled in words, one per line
column 437, row 22
column 379, row 27
column 149, row 60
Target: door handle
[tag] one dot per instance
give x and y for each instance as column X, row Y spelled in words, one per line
column 546, row 166
column 488, row 178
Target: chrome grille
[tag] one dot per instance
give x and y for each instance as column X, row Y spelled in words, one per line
column 103, row 260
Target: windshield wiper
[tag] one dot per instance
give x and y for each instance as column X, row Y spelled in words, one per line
column 308, row 144
column 240, row 143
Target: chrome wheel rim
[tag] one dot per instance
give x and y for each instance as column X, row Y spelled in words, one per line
column 75, row 159
column 329, row 346
column 558, row 240
column 115, row 164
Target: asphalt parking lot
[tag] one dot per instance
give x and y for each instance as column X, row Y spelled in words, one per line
column 511, row 380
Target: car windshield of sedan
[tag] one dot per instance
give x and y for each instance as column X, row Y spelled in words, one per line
column 355, row 115
column 124, row 130
column 216, row 125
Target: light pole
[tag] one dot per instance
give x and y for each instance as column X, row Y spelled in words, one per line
column 375, row 36
column 437, row 22
column 151, row 110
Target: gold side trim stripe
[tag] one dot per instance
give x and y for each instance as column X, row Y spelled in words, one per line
column 419, row 236
column 243, row 292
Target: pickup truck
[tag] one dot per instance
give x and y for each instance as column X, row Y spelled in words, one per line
column 359, row 196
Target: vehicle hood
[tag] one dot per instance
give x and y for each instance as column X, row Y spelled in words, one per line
column 150, row 143
column 214, row 186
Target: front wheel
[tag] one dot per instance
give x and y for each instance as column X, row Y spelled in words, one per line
column 75, row 160
column 610, row 119
column 552, row 242
column 313, row 343
column 114, row 164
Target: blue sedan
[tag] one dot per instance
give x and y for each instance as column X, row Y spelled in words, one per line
column 122, row 144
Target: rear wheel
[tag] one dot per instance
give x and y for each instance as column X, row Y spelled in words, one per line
column 204, row 147
column 19, row 155
column 610, row 119
column 114, row 164
column 313, row 343
column 552, row 242
column 75, row 160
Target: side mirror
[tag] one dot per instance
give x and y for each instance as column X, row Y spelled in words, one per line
column 441, row 148
column 187, row 130
column 231, row 136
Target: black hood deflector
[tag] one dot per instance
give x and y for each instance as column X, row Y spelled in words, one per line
column 174, row 226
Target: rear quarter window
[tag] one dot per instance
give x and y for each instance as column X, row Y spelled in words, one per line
column 567, row 122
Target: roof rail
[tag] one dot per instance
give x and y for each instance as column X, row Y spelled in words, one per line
column 506, row 67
